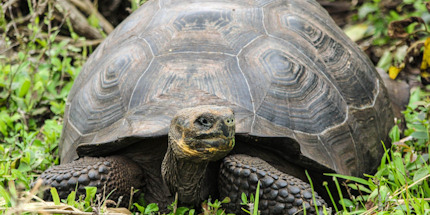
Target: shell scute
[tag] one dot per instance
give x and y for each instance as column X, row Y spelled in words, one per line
column 295, row 95
column 199, row 27
column 104, row 98
column 338, row 57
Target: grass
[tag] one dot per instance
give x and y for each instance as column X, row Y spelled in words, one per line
column 400, row 186
column 37, row 70
column 251, row 204
column 36, row 75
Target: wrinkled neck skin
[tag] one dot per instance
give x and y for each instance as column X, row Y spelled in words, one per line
column 185, row 177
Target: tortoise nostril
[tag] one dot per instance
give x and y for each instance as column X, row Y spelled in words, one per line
column 228, row 127
column 229, row 121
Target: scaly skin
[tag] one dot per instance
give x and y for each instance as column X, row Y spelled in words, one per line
column 113, row 173
column 280, row 193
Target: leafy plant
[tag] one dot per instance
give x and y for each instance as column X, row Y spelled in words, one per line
column 175, row 210
column 252, row 204
column 214, row 208
column 401, row 182
column 396, row 33
column 149, row 209
column 36, row 73
column 376, row 16
column 136, row 4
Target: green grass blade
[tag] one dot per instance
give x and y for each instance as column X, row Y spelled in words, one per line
column 71, row 198
column 246, row 211
column 304, row 208
column 55, row 196
column 313, row 193
column 257, row 198
column 340, row 193
column 325, row 184
column 351, row 178
column 5, row 195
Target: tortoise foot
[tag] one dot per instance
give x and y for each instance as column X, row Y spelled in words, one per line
column 280, row 193
column 114, row 173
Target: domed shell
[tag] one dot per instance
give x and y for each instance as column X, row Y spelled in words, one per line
column 284, row 67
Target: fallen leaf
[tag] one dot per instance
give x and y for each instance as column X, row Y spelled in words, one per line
column 396, row 29
column 426, row 56
column 356, row 32
column 393, row 71
column 425, row 77
column 124, row 211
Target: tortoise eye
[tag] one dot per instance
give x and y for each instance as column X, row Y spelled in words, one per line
column 204, row 122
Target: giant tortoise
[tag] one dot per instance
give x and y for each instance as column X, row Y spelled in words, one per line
column 162, row 101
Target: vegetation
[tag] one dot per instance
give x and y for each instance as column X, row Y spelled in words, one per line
column 42, row 52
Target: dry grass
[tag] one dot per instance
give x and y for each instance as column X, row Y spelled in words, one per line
column 29, row 203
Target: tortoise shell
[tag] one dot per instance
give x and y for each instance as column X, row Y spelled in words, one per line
column 285, row 68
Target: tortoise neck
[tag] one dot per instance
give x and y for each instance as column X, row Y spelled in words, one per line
column 185, row 177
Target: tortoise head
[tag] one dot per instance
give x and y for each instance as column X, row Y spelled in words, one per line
column 202, row 133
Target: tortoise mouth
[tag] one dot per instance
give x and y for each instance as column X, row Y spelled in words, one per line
column 220, row 141
column 212, row 148
column 221, row 144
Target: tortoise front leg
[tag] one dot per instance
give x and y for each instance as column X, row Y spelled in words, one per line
column 117, row 173
column 280, row 193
